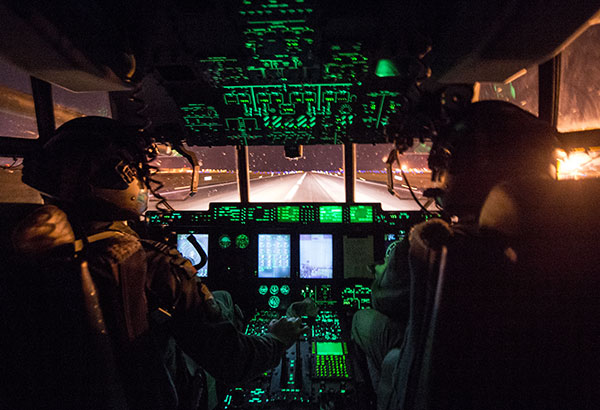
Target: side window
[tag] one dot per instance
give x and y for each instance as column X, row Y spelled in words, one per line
column 523, row 91
column 69, row 105
column 17, row 120
column 17, row 113
column 579, row 104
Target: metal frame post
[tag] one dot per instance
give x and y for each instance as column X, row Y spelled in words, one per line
column 549, row 90
column 44, row 108
column 350, row 171
column 243, row 174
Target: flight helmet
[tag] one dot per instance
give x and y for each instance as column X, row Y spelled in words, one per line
column 490, row 142
column 94, row 165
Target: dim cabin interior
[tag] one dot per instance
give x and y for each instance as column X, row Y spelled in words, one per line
column 272, row 119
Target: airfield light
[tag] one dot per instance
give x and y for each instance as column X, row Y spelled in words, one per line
column 578, row 163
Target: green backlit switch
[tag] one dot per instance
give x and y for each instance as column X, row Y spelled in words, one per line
column 288, row 214
column 330, row 214
column 361, row 214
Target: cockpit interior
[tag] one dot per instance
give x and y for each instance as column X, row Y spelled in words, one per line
column 291, row 141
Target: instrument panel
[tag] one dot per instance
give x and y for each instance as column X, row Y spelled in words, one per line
column 270, row 255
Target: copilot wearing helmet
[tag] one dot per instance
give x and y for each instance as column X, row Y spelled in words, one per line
column 489, row 142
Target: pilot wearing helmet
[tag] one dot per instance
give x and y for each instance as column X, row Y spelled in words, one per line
column 488, row 143
column 94, row 176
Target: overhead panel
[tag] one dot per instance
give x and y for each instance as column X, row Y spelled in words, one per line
column 288, row 83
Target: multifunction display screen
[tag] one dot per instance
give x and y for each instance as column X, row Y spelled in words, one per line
column 273, row 256
column 195, row 248
column 329, row 348
column 316, row 256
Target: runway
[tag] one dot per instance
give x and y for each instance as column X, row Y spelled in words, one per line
column 300, row 187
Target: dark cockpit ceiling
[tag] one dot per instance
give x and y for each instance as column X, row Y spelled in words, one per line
column 281, row 72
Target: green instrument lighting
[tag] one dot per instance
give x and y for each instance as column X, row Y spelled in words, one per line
column 224, row 241
column 263, row 289
column 329, row 348
column 361, row 214
column 242, row 241
column 274, row 289
column 330, row 214
column 288, row 214
column 285, row 290
column 274, row 302
column 386, row 68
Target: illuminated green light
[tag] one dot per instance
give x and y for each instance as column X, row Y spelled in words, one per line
column 242, row 241
column 386, row 68
column 263, row 289
column 224, row 241
column 330, row 214
column 285, row 290
column 361, row 214
column 329, row 348
column 288, row 214
column 274, row 289
column 274, row 302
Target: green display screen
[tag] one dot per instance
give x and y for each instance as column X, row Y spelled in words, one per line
column 329, row 348
column 232, row 213
column 288, row 214
column 330, row 214
column 361, row 214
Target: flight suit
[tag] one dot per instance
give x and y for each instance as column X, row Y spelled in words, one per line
column 147, row 298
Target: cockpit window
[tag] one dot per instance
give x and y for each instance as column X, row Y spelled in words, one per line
column 579, row 105
column 217, row 179
column 69, row 105
column 522, row 91
column 316, row 176
column 17, row 113
column 371, row 175
column 17, row 120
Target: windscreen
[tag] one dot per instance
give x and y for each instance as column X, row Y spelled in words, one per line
column 314, row 176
